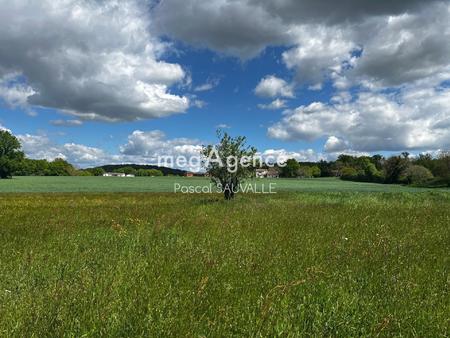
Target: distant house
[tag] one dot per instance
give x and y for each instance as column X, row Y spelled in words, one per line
column 189, row 174
column 267, row 173
column 117, row 175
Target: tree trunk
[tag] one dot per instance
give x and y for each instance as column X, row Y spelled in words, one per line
column 228, row 191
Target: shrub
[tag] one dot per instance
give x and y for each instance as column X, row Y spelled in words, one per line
column 348, row 173
column 417, row 174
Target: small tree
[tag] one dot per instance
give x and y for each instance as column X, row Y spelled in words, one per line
column 97, row 171
column 394, row 167
column 315, row 171
column 10, row 154
column 417, row 174
column 291, row 168
column 229, row 163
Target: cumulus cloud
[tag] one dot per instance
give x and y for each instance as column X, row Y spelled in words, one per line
column 14, row 93
column 410, row 119
column 330, row 12
column 272, row 86
column 153, row 146
column 238, row 28
column 41, row 147
column 142, row 147
column 281, row 155
column 391, row 42
column 92, row 59
column 405, row 48
column 274, row 105
column 335, row 144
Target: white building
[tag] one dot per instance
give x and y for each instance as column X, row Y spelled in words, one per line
column 267, row 173
column 115, row 175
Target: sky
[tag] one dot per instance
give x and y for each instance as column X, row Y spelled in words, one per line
column 108, row 81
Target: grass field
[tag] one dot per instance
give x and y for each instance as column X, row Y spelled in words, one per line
column 166, row 184
column 291, row 264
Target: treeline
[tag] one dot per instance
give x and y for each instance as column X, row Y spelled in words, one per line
column 137, row 167
column 60, row 167
column 403, row 169
column 130, row 170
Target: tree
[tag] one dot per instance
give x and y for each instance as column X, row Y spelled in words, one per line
column 155, row 172
column 417, row 174
column 315, row 171
column 291, row 168
column 348, row 173
column 97, row 171
column 60, row 167
column 394, row 167
column 10, row 154
column 443, row 165
column 229, row 162
column 126, row 170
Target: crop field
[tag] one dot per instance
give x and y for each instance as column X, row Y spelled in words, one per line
column 167, row 184
column 344, row 263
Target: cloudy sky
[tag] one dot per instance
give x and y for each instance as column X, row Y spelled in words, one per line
column 113, row 81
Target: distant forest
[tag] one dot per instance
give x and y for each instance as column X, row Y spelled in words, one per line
column 421, row 170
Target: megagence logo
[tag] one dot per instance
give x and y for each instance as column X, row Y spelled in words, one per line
column 231, row 163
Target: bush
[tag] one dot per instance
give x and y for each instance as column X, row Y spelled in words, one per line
column 348, row 173
column 417, row 174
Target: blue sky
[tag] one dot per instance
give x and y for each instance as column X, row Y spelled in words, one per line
column 119, row 82
column 230, row 102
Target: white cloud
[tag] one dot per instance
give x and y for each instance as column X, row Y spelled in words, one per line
column 274, row 105
column 412, row 119
column 14, row 93
column 239, row 28
column 208, row 85
column 223, row 126
column 387, row 42
column 151, row 146
column 320, row 51
column 95, row 60
column 281, row 155
column 66, row 123
column 272, row 86
column 199, row 103
column 41, row 147
column 335, row 144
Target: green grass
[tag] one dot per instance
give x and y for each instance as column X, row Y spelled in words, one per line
column 166, row 184
column 291, row 264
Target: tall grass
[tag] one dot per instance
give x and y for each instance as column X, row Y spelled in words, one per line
column 317, row 264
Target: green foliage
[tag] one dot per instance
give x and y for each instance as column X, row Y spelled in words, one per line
column 306, row 171
column 126, row 170
column 96, row 171
column 315, row 171
column 224, row 162
column 172, row 265
column 442, row 168
column 290, row 169
column 349, row 173
column 10, row 154
column 149, row 172
column 417, row 174
column 83, row 173
column 60, row 167
column 394, row 168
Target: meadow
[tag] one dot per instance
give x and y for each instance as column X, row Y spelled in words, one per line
column 166, row 184
column 344, row 263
